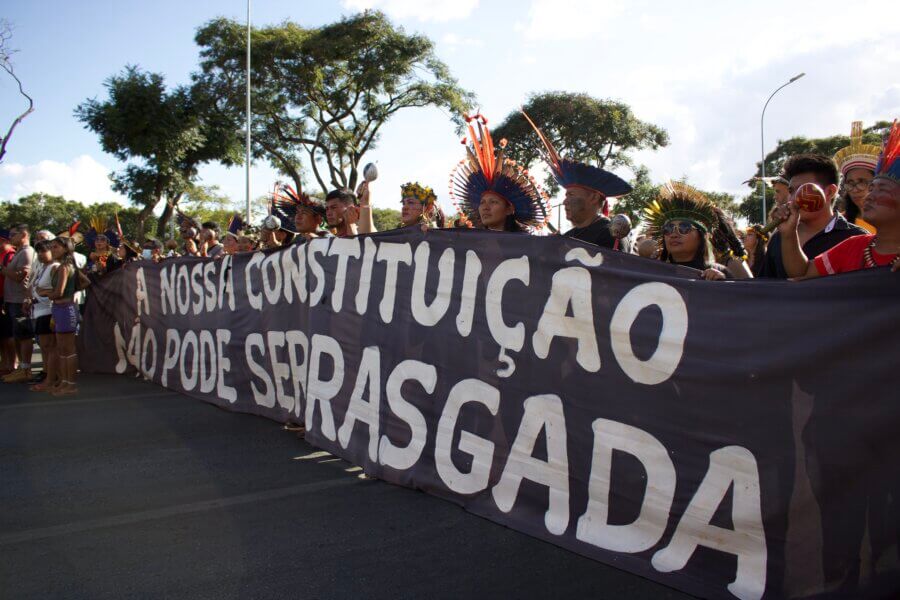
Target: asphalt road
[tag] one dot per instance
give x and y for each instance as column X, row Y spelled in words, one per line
column 130, row 491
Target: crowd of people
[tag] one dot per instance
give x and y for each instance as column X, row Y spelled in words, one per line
column 831, row 215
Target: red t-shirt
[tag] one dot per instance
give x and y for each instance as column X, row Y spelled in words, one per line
column 5, row 257
column 848, row 256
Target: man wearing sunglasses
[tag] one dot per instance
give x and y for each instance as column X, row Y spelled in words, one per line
column 819, row 230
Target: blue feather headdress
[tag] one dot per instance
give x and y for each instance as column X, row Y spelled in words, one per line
column 569, row 173
column 98, row 225
column 482, row 171
column 235, row 225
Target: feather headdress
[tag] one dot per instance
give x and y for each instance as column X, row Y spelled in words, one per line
column 570, row 173
column 131, row 246
column 99, row 226
column 288, row 201
column 73, row 233
column 235, row 225
column 889, row 162
column 857, row 155
column 678, row 201
column 186, row 221
column 414, row 189
column 485, row 170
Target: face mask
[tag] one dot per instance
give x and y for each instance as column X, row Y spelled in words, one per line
column 147, row 254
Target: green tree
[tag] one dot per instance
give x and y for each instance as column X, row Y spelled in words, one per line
column 581, row 127
column 324, row 94
column 643, row 192
column 56, row 214
column 751, row 205
column 207, row 203
column 386, row 218
column 166, row 136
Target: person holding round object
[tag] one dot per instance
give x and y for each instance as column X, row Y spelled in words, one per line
column 857, row 166
column 366, row 221
column 881, row 208
column 683, row 220
column 210, row 246
column 189, row 231
column 497, row 193
column 820, row 227
column 342, row 212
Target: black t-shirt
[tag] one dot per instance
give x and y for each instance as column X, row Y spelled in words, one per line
column 836, row 232
column 595, row 233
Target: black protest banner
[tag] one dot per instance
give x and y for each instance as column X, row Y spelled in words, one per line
column 730, row 439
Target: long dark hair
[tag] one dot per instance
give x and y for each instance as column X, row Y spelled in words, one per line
column 437, row 216
column 66, row 242
column 510, row 224
column 851, row 210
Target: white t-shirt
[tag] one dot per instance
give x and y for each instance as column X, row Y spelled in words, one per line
column 80, row 260
column 41, row 306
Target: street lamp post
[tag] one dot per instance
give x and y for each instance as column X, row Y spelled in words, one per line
column 247, row 158
column 762, row 143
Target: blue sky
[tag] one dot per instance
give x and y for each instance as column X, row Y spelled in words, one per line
column 701, row 70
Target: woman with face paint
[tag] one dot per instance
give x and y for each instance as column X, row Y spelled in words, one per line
column 418, row 206
column 881, row 208
column 306, row 214
column 495, row 192
column 588, row 189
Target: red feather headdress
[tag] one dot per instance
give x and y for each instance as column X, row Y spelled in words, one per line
column 888, row 163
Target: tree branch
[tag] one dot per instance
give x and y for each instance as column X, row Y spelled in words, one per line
column 8, row 68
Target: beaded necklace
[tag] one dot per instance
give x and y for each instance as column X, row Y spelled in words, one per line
column 868, row 259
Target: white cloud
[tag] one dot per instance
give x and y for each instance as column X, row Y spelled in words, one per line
column 568, row 19
column 454, row 41
column 82, row 179
column 423, row 10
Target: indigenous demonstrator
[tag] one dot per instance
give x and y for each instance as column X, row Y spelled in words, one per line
column 306, row 213
column 230, row 239
column 857, row 165
column 189, row 230
column 494, row 191
column 588, row 190
column 342, row 212
column 102, row 242
column 881, row 208
column 418, row 206
column 683, row 220
column 820, row 227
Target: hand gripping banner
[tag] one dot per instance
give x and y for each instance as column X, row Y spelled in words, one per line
column 730, row 439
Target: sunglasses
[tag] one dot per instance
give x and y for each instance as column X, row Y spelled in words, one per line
column 683, row 227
